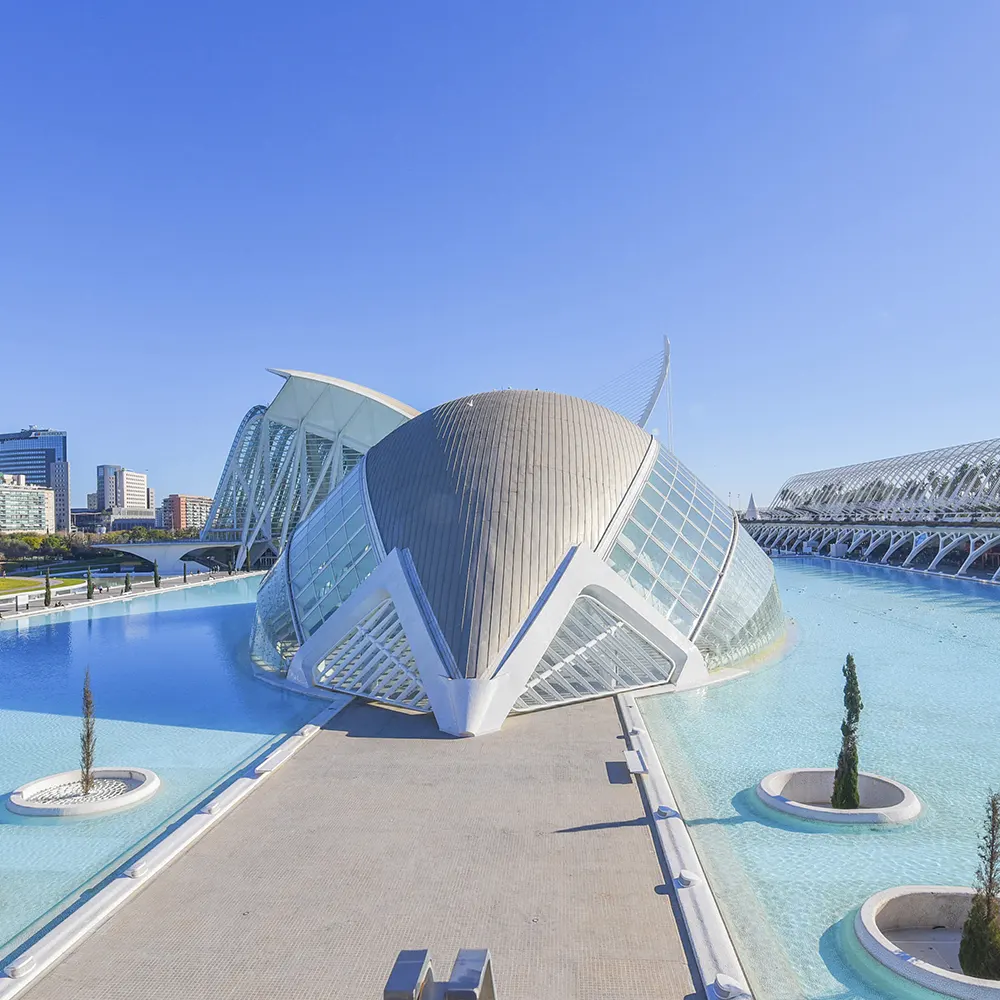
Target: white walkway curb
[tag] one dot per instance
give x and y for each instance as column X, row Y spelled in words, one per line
column 72, row 929
column 714, row 953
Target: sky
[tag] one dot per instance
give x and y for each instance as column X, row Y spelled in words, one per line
column 437, row 198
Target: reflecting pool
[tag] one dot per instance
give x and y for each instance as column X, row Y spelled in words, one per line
column 173, row 691
column 928, row 655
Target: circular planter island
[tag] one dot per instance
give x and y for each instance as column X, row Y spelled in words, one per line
column 915, row 931
column 113, row 788
column 806, row 792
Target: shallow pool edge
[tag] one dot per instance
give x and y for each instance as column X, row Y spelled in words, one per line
column 713, row 948
column 40, row 955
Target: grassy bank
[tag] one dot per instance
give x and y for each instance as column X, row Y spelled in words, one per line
column 18, row 585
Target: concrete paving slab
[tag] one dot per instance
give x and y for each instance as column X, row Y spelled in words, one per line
column 383, row 834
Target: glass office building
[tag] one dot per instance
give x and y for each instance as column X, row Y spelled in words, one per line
column 40, row 456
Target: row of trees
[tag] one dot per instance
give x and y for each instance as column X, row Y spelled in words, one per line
column 127, row 587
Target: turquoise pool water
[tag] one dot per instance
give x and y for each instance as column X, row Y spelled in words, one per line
column 173, row 691
column 928, row 654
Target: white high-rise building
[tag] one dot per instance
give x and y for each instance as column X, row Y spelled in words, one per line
column 131, row 489
column 59, row 483
column 121, row 487
column 24, row 507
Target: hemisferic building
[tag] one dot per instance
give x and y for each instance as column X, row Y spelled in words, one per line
column 510, row 551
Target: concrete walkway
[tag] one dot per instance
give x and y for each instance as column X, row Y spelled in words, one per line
column 382, row 834
column 62, row 599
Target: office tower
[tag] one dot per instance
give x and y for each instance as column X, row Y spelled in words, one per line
column 107, row 494
column 121, row 487
column 40, row 455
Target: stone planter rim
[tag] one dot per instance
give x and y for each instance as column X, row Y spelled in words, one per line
column 20, row 802
column 905, row 807
column 932, row 977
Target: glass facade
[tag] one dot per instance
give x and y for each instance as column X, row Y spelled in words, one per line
column 229, row 508
column 593, row 653
column 674, row 544
column 328, row 557
column 29, row 453
column 41, row 456
column 745, row 615
column 374, row 660
column 289, row 456
column 273, row 639
column 330, row 554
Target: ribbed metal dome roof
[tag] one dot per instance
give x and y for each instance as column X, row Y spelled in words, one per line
column 488, row 493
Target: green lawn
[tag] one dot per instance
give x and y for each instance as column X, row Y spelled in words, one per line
column 20, row 584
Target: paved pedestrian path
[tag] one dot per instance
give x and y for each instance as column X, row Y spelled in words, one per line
column 382, row 834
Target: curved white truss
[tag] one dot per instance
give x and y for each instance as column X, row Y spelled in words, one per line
column 288, row 456
column 961, row 480
column 634, row 393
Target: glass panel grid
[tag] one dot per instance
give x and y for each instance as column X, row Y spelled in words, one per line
column 746, row 615
column 672, row 547
column 273, row 641
column 593, row 653
column 330, row 554
column 374, row 660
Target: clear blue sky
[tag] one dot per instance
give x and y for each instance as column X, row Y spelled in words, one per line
column 434, row 199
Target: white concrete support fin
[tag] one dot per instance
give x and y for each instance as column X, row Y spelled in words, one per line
column 918, row 547
column 877, row 539
column 467, row 706
column 945, row 549
column 975, row 551
column 898, row 540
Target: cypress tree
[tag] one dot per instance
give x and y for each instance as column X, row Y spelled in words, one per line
column 979, row 952
column 90, row 585
column 48, row 589
column 185, row 572
column 128, row 583
column 156, row 573
column 87, row 738
column 845, row 780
